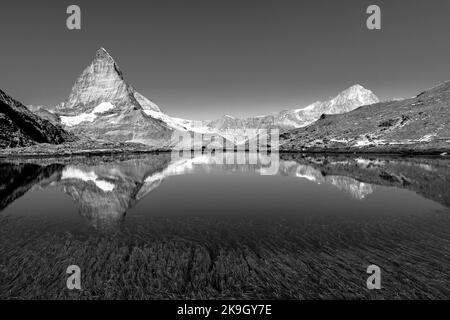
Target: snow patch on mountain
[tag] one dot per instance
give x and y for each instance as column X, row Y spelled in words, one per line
column 103, row 107
column 71, row 121
column 171, row 122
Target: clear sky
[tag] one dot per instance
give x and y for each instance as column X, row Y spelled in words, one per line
column 201, row 59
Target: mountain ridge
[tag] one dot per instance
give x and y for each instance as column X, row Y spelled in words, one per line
column 103, row 107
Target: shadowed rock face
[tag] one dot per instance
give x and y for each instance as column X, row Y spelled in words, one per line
column 104, row 189
column 19, row 127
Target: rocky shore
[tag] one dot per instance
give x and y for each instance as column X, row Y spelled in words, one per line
column 78, row 148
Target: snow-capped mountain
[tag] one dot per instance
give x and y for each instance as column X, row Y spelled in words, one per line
column 102, row 105
column 346, row 101
column 105, row 107
column 240, row 129
column 102, row 81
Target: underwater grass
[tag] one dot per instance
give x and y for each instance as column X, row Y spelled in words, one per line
column 212, row 258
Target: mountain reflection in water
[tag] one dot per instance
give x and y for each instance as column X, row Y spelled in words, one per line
column 104, row 189
column 167, row 226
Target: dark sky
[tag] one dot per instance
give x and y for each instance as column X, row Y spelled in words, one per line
column 204, row 58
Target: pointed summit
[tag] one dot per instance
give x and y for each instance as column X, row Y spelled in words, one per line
column 102, row 105
column 103, row 59
column 354, row 89
column 103, row 50
column 357, row 87
column 356, row 95
column 103, row 54
column 102, row 81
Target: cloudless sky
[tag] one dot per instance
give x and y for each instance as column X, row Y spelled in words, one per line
column 201, row 59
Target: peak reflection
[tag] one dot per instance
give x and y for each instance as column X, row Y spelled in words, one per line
column 104, row 189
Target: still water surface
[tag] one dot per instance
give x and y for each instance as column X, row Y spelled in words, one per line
column 289, row 226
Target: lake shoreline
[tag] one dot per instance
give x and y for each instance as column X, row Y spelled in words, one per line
column 19, row 153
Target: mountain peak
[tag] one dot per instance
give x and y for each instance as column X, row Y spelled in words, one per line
column 358, row 93
column 102, row 81
column 355, row 88
column 103, row 54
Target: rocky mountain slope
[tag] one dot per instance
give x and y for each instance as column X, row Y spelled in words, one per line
column 419, row 124
column 20, row 127
column 42, row 112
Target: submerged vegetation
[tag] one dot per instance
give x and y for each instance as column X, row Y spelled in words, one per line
column 264, row 248
column 205, row 258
